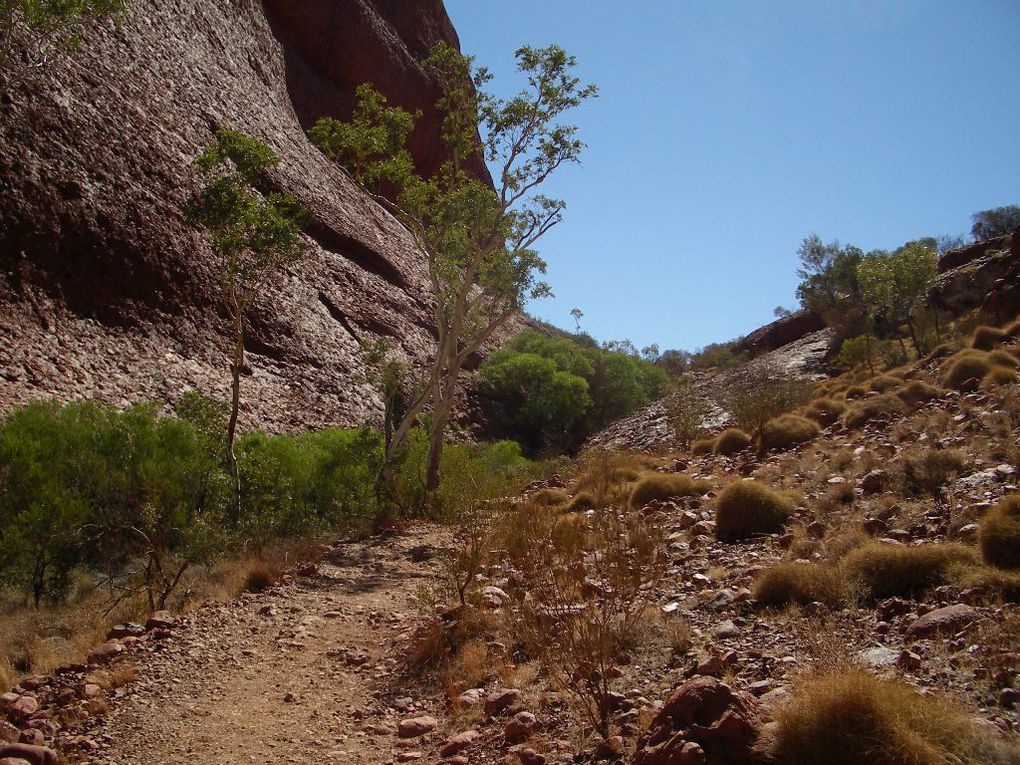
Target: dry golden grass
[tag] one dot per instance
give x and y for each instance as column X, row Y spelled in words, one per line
column 928, row 472
column 855, row 391
column 260, row 577
column 746, row 508
column 731, row 441
column 802, row 583
column 999, row 535
column 654, row 486
column 825, row 411
column 549, row 497
column 865, row 411
column 1003, row 358
column 702, row 446
column 998, row 375
column 580, row 503
column 964, row 367
column 788, row 430
column 851, row 717
column 985, row 338
column 883, row 570
column 883, row 383
column 918, row 392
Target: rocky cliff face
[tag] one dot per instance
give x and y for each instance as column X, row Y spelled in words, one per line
column 984, row 274
column 105, row 293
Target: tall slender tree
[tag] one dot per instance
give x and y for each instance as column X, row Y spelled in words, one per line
column 479, row 241
column 253, row 237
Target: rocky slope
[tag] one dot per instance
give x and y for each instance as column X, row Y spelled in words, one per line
column 105, row 293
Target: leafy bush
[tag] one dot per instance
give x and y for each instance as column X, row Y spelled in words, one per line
column 802, row 583
column 745, row 508
column 999, row 535
column 825, row 411
column 850, row 716
column 666, row 486
column 884, row 570
column 879, row 406
column 731, row 441
column 552, row 392
column 788, row 430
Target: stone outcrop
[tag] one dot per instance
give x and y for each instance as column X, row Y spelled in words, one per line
column 106, row 293
column 985, row 274
column 784, row 331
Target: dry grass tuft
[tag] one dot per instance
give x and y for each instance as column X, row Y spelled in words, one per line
column 802, row 583
column 855, row 391
column 964, row 367
column 745, row 508
column 849, row 717
column 999, row 536
column 986, row 338
column 883, row 383
column 918, row 392
column 787, row 431
column 654, row 486
column 260, row 577
column 998, row 375
column 825, row 411
column 702, row 446
column 880, row 406
column 581, row 502
column 549, row 497
column 731, row 441
column 884, row 570
column 927, row 473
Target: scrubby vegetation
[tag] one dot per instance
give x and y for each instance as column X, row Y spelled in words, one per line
column 884, row 570
column 872, row 408
column 731, row 441
column 550, row 392
column 746, row 508
column 803, row 583
column 849, row 716
column 1000, row 534
column 825, row 411
column 788, row 430
column 653, row 486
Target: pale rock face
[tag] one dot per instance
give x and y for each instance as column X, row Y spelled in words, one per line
column 106, row 293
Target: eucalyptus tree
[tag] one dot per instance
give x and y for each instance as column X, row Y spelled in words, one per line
column 478, row 239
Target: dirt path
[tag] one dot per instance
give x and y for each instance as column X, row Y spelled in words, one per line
column 305, row 673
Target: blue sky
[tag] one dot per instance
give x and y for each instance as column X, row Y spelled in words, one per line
column 725, row 132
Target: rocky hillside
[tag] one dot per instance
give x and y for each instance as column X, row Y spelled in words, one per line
column 105, row 293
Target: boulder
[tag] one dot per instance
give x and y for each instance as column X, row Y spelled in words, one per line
column 35, row 755
column 703, row 721
column 416, row 726
column 941, row 620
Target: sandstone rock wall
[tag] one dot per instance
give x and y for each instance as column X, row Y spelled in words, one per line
column 105, row 293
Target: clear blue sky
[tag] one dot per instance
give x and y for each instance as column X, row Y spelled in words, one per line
column 726, row 132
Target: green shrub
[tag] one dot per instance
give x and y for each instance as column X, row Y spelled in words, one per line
column 918, row 392
column 665, row 486
column 999, row 535
column 884, row 570
column 788, row 430
column 802, row 583
column 850, row 717
column 964, row 367
column 746, row 508
column 879, row 406
column 825, row 411
column 731, row 441
column 986, row 338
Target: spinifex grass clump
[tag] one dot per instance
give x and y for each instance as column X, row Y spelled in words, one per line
column 884, row 570
column 746, row 508
column 851, row 717
column 870, row 409
column 802, row 583
column 654, row 486
column 918, row 392
column 999, row 536
column 986, row 338
column 825, row 411
column 787, row 431
column 731, row 441
column 964, row 367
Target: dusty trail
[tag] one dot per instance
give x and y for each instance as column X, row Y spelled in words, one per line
column 305, row 673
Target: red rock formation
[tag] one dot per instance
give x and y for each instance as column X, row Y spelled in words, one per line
column 985, row 274
column 105, row 293
column 781, row 332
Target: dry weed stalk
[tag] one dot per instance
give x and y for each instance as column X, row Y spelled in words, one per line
column 587, row 590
